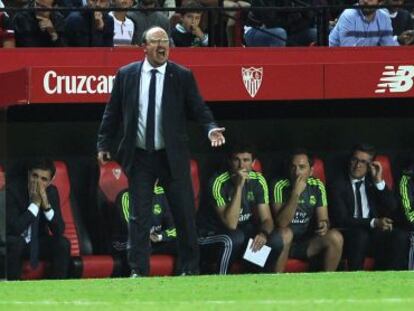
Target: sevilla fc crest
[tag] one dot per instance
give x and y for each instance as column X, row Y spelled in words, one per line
column 117, row 173
column 252, row 79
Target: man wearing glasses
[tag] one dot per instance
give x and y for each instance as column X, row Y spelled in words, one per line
column 152, row 99
column 362, row 206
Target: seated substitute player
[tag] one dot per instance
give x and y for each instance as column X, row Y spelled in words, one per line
column 300, row 205
column 163, row 233
column 406, row 194
column 238, row 210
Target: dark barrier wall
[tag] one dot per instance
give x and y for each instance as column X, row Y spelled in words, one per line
column 2, row 193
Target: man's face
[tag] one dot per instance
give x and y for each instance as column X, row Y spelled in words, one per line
column 372, row 3
column 300, row 166
column 100, row 4
column 157, row 47
column 39, row 176
column 44, row 4
column 359, row 164
column 241, row 161
column 191, row 20
column 124, row 4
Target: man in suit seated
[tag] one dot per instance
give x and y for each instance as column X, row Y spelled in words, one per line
column 34, row 223
column 300, row 206
column 362, row 206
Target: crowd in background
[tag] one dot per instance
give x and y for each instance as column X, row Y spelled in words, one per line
column 188, row 24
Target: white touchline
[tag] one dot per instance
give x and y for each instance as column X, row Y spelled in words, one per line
column 273, row 301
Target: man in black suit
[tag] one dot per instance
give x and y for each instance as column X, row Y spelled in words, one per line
column 33, row 210
column 153, row 98
column 362, row 206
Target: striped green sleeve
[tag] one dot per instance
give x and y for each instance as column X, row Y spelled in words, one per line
column 405, row 197
column 169, row 234
column 318, row 183
column 264, row 189
column 125, row 205
column 158, row 190
column 217, row 189
column 278, row 189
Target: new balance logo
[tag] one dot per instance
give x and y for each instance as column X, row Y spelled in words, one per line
column 396, row 81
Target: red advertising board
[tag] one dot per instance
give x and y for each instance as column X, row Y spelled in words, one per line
column 86, row 75
column 217, row 83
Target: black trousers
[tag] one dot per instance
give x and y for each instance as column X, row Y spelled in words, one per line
column 147, row 167
column 389, row 248
column 54, row 249
column 222, row 249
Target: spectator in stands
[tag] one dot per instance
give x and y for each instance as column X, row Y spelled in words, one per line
column 146, row 19
column 238, row 211
column 69, row 4
column 402, row 22
column 300, row 206
column 265, row 27
column 188, row 32
column 363, row 27
column 231, row 16
column 34, row 223
column 123, row 26
column 362, row 205
column 90, row 28
column 406, row 192
column 167, row 4
column 281, row 28
column 40, row 28
column 162, row 233
column 152, row 149
column 6, row 34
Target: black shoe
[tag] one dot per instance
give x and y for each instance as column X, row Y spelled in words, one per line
column 134, row 274
column 189, row 273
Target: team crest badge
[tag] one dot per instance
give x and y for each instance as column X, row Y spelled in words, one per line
column 157, row 209
column 252, row 79
column 117, row 173
column 312, row 200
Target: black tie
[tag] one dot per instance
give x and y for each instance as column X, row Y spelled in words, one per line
column 358, row 199
column 150, row 130
column 34, row 243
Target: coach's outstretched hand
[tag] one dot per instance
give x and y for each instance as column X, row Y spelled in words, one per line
column 216, row 137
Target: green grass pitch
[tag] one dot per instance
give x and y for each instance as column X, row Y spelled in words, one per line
column 302, row 291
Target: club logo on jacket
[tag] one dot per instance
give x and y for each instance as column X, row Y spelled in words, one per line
column 398, row 80
column 252, row 79
column 117, row 173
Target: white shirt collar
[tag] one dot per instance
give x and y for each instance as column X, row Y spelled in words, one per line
column 354, row 181
column 147, row 67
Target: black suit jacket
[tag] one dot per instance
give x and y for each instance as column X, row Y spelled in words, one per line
column 19, row 218
column 180, row 100
column 342, row 203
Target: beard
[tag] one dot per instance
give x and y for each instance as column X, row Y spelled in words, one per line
column 368, row 11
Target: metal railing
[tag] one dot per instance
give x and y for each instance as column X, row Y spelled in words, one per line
column 216, row 16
